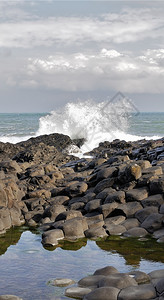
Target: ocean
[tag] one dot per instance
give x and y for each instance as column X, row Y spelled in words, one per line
column 96, row 122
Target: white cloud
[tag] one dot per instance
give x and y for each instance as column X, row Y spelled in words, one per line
column 89, row 72
column 127, row 26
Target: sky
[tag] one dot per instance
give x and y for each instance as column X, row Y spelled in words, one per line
column 54, row 52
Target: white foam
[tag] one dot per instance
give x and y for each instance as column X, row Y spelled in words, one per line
column 96, row 122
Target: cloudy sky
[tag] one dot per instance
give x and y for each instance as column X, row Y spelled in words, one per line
column 52, row 52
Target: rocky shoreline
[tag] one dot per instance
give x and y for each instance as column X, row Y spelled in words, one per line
column 118, row 191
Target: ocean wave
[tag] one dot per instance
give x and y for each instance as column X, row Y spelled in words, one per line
column 95, row 122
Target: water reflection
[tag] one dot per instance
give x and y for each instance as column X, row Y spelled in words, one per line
column 26, row 266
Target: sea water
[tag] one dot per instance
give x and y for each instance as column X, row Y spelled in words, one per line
column 96, row 122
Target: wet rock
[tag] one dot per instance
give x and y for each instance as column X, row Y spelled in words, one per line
column 161, row 211
column 135, row 232
column 112, row 229
column 118, row 280
column 106, row 271
column 142, row 214
column 159, row 286
column 140, row 277
column 77, row 292
column 129, row 209
column 51, row 237
column 158, row 233
column 117, row 220
column 90, row 281
column 153, row 222
column 142, row 292
column 67, row 215
column 62, row 282
column 93, row 233
column 53, row 211
column 9, row 297
column 74, row 228
column 103, row 294
column 156, row 274
column 130, row 223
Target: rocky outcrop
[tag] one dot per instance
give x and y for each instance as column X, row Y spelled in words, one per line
column 119, row 194
column 108, row 283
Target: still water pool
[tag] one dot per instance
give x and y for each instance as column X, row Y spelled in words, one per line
column 26, row 267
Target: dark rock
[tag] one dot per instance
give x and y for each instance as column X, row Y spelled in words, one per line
column 135, row 232
column 93, row 233
column 93, row 205
column 142, row 292
column 142, row 214
column 130, row 223
column 74, row 228
column 153, row 222
column 157, row 185
column 106, row 209
column 103, row 294
column 90, row 281
column 106, row 271
column 67, row 215
column 140, row 277
column 77, row 292
column 118, row 280
column 154, row 200
column 137, row 194
column 113, row 229
column 156, row 274
column 118, row 196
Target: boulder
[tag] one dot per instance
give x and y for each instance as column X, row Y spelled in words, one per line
column 129, row 209
column 140, row 292
column 153, row 200
column 93, row 205
column 142, row 214
column 130, row 223
column 118, row 196
column 62, row 282
column 140, row 277
column 135, row 232
column 156, row 274
column 103, row 184
column 77, row 292
column 153, row 222
column 106, row 209
column 103, row 294
column 107, row 172
column 113, row 229
column 137, row 194
column 106, row 271
column 74, row 228
column 76, row 188
column 94, row 233
column 118, row 280
column 67, row 215
column 90, row 281
column 157, row 185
